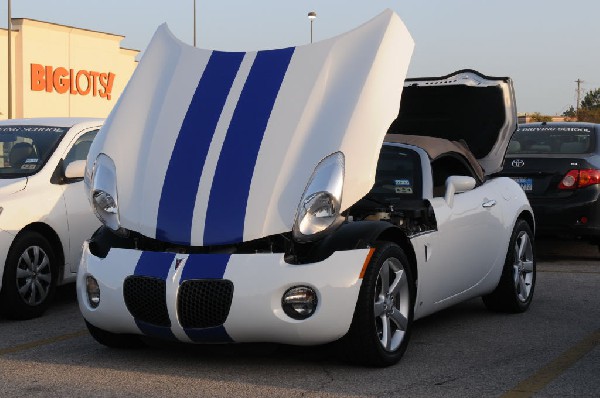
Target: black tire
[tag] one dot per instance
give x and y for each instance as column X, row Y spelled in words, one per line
column 30, row 277
column 114, row 340
column 364, row 343
column 514, row 292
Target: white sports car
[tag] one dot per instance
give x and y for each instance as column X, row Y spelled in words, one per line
column 247, row 197
column 44, row 215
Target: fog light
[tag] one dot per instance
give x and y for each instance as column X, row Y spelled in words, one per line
column 93, row 291
column 299, row 302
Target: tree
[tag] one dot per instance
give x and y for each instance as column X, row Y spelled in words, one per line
column 538, row 117
column 589, row 108
column 591, row 100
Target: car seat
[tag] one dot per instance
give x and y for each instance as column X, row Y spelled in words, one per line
column 19, row 153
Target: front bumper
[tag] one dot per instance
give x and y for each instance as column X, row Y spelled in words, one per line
column 255, row 314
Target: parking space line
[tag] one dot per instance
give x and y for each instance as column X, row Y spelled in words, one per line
column 42, row 342
column 554, row 369
column 558, row 271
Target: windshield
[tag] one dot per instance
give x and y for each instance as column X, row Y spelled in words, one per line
column 552, row 140
column 25, row 149
column 398, row 175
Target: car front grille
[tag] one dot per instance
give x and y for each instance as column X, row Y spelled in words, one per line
column 145, row 298
column 204, row 303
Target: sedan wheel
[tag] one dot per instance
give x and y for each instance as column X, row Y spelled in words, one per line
column 517, row 283
column 30, row 276
column 382, row 321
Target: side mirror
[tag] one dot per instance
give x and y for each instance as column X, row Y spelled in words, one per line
column 457, row 184
column 75, row 169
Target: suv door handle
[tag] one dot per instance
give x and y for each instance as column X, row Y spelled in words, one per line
column 489, row 203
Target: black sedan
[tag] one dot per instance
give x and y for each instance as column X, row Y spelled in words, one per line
column 558, row 167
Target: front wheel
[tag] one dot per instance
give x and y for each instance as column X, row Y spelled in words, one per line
column 30, row 277
column 383, row 317
column 515, row 289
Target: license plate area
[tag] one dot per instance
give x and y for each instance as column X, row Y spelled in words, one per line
column 525, row 183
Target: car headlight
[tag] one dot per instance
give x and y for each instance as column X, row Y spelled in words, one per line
column 319, row 208
column 103, row 192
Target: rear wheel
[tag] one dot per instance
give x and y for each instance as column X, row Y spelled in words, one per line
column 114, row 340
column 30, row 277
column 383, row 317
column 515, row 289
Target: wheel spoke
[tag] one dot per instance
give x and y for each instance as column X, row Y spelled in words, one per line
column 384, row 274
column 399, row 319
column 378, row 308
column 522, row 288
column 42, row 292
column 516, row 276
column 523, row 245
column 45, row 278
column 386, row 338
column 36, row 255
column 43, row 264
column 25, row 257
column 33, row 294
column 399, row 282
column 528, row 266
column 23, row 273
column 25, row 288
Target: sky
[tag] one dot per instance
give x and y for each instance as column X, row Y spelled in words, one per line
column 543, row 45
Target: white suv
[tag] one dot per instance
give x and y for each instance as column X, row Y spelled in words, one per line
column 44, row 213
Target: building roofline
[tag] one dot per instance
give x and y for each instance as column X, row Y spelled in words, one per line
column 67, row 26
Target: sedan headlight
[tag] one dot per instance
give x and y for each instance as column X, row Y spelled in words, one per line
column 319, row 208
column 103, row 192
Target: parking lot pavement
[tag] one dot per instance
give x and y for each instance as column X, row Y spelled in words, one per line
column 552, row 350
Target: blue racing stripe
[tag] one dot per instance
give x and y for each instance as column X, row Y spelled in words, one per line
column 204, row 266
column 217, row 334
column 161, row 332
column 154, row 264
column 231, row 184
column 178, row 197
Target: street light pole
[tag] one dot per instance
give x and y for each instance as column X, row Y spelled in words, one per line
column 194, row 23
column 311, row 15
column 9, row 63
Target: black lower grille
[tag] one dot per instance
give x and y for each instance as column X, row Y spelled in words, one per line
column 145, row 298
column 204, row 303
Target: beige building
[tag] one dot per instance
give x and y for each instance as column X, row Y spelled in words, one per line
column 62, row 71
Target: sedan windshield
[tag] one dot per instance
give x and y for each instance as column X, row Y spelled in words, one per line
column 552, row 140
column 25, row 149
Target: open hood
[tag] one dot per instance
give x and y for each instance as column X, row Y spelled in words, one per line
column 465, row 105
column 216, row 147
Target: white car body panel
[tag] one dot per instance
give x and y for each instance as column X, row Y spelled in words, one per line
column 244, row 179
column 337, row 95
column 34, row 199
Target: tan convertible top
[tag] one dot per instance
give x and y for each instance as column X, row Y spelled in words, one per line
column 436, row 147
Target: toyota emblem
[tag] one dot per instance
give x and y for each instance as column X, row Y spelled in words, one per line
column 518, row 163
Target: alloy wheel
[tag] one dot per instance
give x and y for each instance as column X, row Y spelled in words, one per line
column 523, row 266
column 34, row 275
column 391, row 304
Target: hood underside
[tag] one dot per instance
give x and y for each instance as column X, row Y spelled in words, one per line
column 463, row 106
column 216, row 148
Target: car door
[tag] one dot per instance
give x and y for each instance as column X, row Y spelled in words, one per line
column 468, row 230
column 81, row 220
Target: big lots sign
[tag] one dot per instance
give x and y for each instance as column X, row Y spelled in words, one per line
column 62, row 80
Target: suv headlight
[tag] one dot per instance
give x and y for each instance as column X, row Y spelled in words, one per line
column 319, row 208
column 103, row 192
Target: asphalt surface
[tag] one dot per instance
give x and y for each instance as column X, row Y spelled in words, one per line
column 553, row 350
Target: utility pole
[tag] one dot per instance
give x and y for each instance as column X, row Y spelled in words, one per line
column 9, row 63
column 578, row 81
